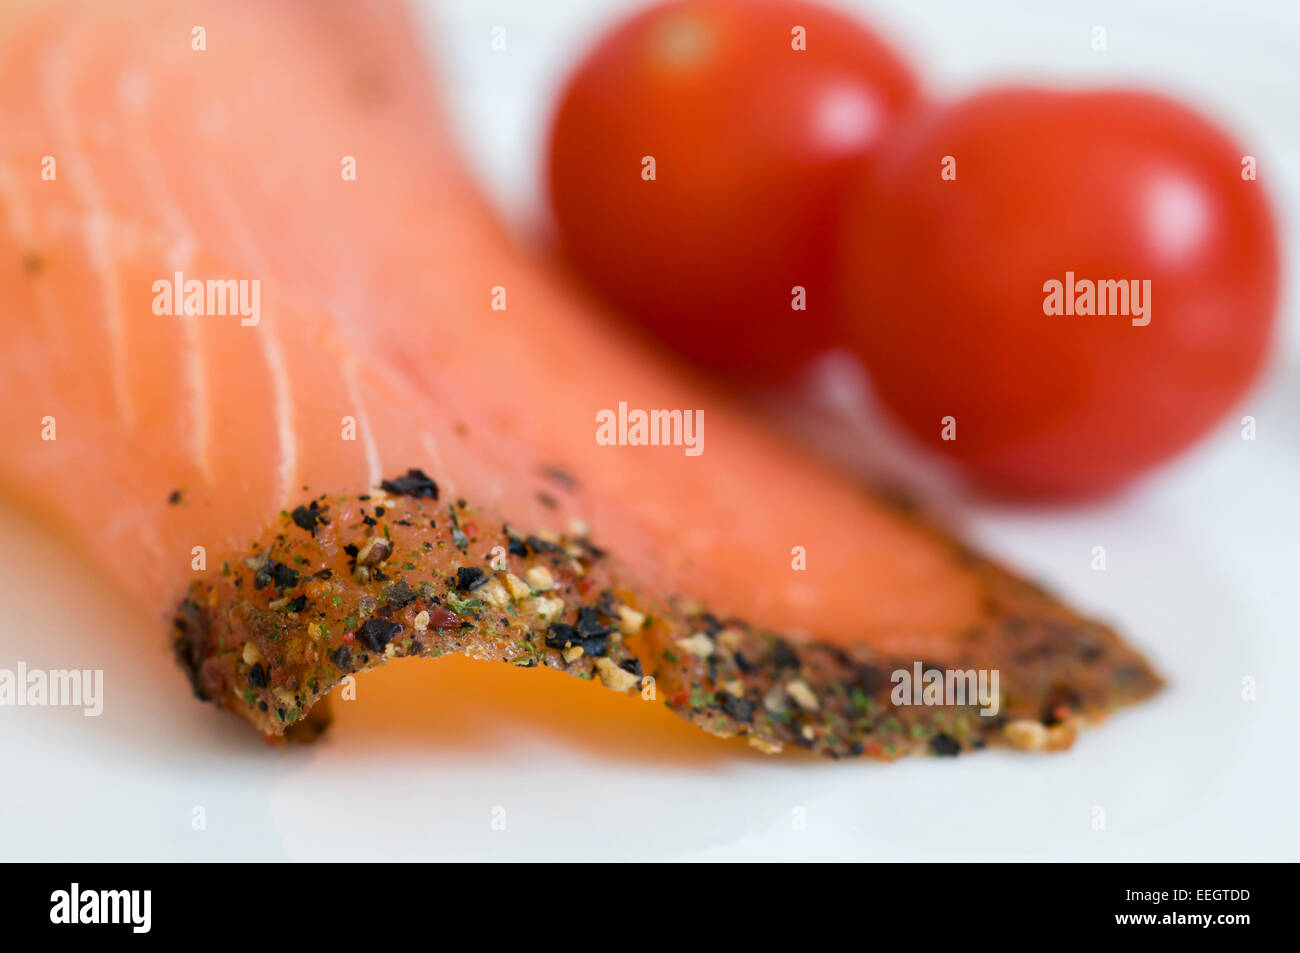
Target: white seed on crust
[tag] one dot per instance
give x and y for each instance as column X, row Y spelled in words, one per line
column 699, row 645
column 630, row 621
column 518, row 588
column 729, row 639
column 802, row 694
column 547, row 609
column 613, row 677
column 493, row 593
column 1061, row 736
column 540, row 578
column 1026, row 734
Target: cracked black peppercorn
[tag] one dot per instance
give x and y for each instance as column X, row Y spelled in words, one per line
column 595, row 645
column 783, row 656
column 399, row 595
column 561, row 635
column 415, row 483
column 377, row 633
column 589, row 625
column 944, row 746
column 741, row 709
column 469, row 578
column 305, row 518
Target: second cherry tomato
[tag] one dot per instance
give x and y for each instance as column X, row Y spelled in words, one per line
column 1061, row 289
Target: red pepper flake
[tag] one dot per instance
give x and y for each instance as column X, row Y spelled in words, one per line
column 443, row 619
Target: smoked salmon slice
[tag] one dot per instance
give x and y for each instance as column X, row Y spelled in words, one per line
column 269, row 359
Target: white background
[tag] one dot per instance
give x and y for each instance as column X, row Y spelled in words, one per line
column 1202, row 573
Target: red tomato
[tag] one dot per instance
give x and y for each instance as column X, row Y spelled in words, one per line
column 755, row 144
column 947, row 284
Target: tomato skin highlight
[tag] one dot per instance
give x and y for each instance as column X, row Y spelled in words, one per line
column 756, row 146
column 945, row 284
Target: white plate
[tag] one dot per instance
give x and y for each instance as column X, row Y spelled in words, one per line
column 1201, row 573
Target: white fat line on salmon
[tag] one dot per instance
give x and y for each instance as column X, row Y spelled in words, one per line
column 57, row 105
column 133, row 93
column 53, row 688
column 74, row 905
column 269, row 340
column 651, row 428
column 943, row 687
column 216, row 296
column 348, row 371
column 1105, row 297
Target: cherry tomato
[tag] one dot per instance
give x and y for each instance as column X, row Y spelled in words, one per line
column 955, row 244
column 700, row 160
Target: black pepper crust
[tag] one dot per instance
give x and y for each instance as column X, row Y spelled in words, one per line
column 271, row 633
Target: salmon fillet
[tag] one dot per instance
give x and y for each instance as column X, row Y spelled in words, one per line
column 409, row 376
